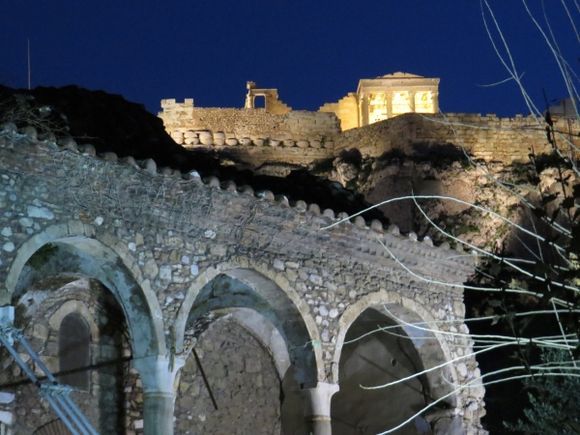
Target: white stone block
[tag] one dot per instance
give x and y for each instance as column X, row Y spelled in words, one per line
column 6, row 398
column 6, row 418
column 206, row 138
column 165, row 273
column 39, row 212
column 194, row 270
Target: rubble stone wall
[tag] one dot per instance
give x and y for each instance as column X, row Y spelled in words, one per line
column 239, row 371
column 156, row 240
column 486, row 137
column 302, row 137
column 248, row 123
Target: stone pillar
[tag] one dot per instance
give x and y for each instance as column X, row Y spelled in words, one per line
column 158, row 407
column 435, row 101
column 389, row 99
column 363, row 111
column 249, row 103
column 317, row 408
column 158, row 375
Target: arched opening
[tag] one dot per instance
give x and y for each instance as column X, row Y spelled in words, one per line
column 74, row 341
column 78, row 330
column 256, row 352
column 79, row 308
column 377, row 350
column 239, row 386
column 88, row 257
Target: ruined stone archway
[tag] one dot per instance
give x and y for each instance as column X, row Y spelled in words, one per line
column 279, row 338
column 271, row 296
column 365, row 357
column 56, row 251
column 245, row 288
column 230, row 382
column 104, row 396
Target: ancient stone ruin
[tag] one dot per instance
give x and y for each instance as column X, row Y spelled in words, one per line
column 150, row 265
column 176, row 304
column 395, row 112
column 385, row 97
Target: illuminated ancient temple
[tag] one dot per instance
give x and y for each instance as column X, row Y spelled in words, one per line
column 384, row 97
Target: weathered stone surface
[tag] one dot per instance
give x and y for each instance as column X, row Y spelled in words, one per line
column 161, row 241
column 109, row 390
column 39, row 212
column 245, row 385
column 206, row 138
column 219, row 138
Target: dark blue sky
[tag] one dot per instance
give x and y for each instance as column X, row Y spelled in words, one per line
column 313, row 51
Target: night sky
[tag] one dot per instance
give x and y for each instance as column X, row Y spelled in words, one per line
column 313, row 51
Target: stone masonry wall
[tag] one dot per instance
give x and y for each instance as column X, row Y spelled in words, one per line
column 105, row 402
column 248, row 123
column 346, row 110
column 485, row 137
column 258, row 150
column 173, row 234
column 301, row 137
column 242, row 379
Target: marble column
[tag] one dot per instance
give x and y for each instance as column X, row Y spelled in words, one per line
column 317, row 408
column 158, row 375
column 435, row 102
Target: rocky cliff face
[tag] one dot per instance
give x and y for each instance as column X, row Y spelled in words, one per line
column 501, row 188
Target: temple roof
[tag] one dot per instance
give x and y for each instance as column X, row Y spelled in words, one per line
column 399, row 74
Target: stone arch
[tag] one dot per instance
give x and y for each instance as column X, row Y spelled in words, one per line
column 70, row 307
column 264, row 332
column 240, row 384
column 105, row 259
column 381, row 358
column 40, row 312
column 432, row 352
column 269, row 286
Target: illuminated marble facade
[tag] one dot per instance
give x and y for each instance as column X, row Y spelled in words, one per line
column 384, row 97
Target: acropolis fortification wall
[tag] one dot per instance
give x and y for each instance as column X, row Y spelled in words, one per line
column 394, row 112
column 302, row 137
